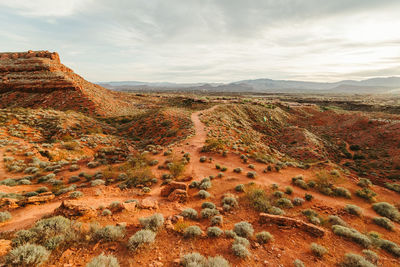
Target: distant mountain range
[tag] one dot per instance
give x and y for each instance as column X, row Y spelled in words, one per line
column 385, row 85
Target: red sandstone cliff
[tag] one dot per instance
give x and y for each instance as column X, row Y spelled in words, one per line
column 38, row 79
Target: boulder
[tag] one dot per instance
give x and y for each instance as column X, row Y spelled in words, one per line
column 148, row 203
column 72, row 209
column 178, row 195
column 169, row 188
column 293, row 223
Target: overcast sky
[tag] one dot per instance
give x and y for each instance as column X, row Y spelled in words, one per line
column 210, row 40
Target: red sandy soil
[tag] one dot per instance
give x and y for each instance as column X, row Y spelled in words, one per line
column 289, row 244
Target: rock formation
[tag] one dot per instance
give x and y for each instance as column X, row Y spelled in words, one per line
column 38, row 79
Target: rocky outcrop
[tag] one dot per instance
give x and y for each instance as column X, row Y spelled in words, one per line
column 292, row 223
column 175, row 191
column 38, row 79
column 41, row 198
column 74, row 209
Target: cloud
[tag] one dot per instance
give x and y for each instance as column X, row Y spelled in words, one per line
column 206, row 40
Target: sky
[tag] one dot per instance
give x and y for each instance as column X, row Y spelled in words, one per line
column 188, row 41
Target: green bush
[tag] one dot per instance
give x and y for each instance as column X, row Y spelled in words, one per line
column 141, row 238
column 284, row 203
column 217, row 220
column 153, row 223
column 229, row 202
column 203, row 194
column 384, row 222
column 230, row 234
column 298, row 181
column 342, row 192
column 27, row 255
column 252, row 174
column 353, row 209
column 387, row 210
column 214, row 231
column 308, row 197
column 352, row 234
column 192, row 232
column 298, row 201
column 393, row 187
column 241, row 240
column 370, row 255
column 205, row 184
column 238, row 170
column 189, row 213
column 288, row 190
column 75, row 194
column 243, row 229
column 318, row 250
column 5, row 216
column 354, row 260
column 366, row 193
column 364, row 182
column 278, row 194
column 240, row 251
column 209, row 205
column 336, row 220
column 106, row 212
column 208, row 213
column 264, row 237
column 103, row 261
column 239, row 188
column 109, row 233
column 217, row 261
column 298, row 263
column 194, row 260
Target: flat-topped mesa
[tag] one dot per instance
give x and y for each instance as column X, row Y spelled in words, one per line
column 38, row 79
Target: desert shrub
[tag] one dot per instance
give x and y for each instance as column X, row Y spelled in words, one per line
column 208, row 213
column 240, row 251
column 224, row 169
column 203, row 159
column 203, row 194
column 217, row 261
column 239, row 188
column 308, row 197
column 258, row 199
column 23, row 237
column 46, row 228
column 298, row 181
column 192, row 232
column 370, row 255
column 384, row 222
column 141, row 238
column 229, row 201
column 366, row 193
column 189, row 213
column 352, row 234
column 336, row 220
column 342, row 192
column 364, row 182
column 97, row 182
column 284, row 203
column 387, row 210
column 205, row 184
column 194, row 260
column 65, row 190
column 394, row 187
column 389, row 246
column 243, row 229
column 106, row 212
column 76, row 194
column 176, row 167
column 27, row 255
column 353, row 209
column 298, row 263
column 109, row 233
column 116, row 206
column 54, row 242
column 318, row 250
column 288, row 190
column 5, row 216
column 264, row 237
column 241, row 240
column 355, row 260
column 217, row 220
column 278, row 194
column 153, row 223
column 298, row 201
column 237, row 170
column 103, row 261
column 230, row 234
column 209, row 205
column 251, row 174
column 73, row 179
column 214, row 231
